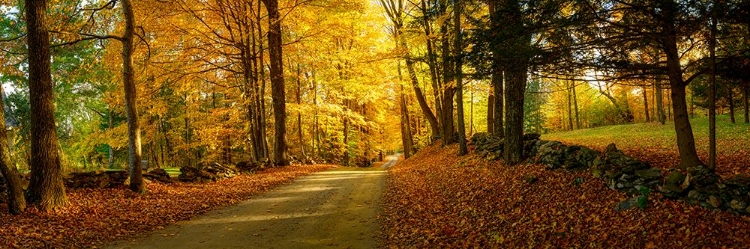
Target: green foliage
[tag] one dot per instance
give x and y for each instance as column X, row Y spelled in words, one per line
column 643, row 198
column 534, row 118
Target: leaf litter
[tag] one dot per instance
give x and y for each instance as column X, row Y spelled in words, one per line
column 437, row 199
column 99, row 216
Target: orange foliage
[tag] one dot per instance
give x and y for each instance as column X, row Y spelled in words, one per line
column 439, row 200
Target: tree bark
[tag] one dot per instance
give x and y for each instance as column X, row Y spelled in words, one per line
column 458, row 53
column 431, row 119
column 712, row 95
column 570, row 106
column 431, row 58
column 128, row 77
column 645, row 104
column 16, row 200
column 575, row 104
column 449, row 87
column 407, row 141
column 660, row 103
column 517, row 73
column 730, row 98
column 299, row 112
column 683, row 129
column 46, row 189
column 277, row 82
column 491, row 112
column 497, row 71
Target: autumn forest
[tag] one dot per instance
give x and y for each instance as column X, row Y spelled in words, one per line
column 173, row 108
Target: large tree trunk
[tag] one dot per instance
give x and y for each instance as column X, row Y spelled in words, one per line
column 449, row 87
column 407, row 140
column 128, row 77
column 516, row 72
column 46, row 189
column 685, row 140
column 457, row 52
column 513, row 153
column 277, row 82
column 431, row 58
column 497, row 71
column 431, row 119
column 16, row 200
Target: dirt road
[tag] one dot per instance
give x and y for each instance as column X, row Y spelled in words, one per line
column 331, row 209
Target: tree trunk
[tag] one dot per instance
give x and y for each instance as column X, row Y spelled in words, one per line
column 431, row 59
column 471, row 108
column 277, row 82
column 684, row 131
column 712, row 95
column 575, row 105
column 407, row 140
column 660, row 104
column 394, row 10
column 16, row 200
column 491, row 112
column 431, row 119
column 128, row 77
column 449, row 87
column 299, row 113
column 513, row 153
column 346, row 142
column 517, row 73
column 457, row 52
column 406, row 136
column 110, row 151
column 46, row 189
column 730, row 98
column 497, row 71
column 570, row 106
column 316, row 136
column 645, row 104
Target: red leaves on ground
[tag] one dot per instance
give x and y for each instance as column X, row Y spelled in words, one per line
column 97, row 216
column 436, row 200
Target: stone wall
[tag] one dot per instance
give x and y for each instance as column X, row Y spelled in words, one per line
column 624, row 173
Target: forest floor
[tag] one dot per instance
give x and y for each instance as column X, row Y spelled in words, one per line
column 332, row 209
column 436, row 199
column 100, row 216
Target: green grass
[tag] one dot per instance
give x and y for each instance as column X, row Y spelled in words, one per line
column 658, row 135
column 173, row 172
column 733, row 140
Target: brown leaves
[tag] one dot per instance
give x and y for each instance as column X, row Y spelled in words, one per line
column 436, row 199
column 98, row 216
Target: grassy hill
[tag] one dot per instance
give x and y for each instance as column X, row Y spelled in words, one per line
column 657, row 143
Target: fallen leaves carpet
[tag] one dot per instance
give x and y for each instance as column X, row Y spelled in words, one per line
column 436, row 199
column 99, row 216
